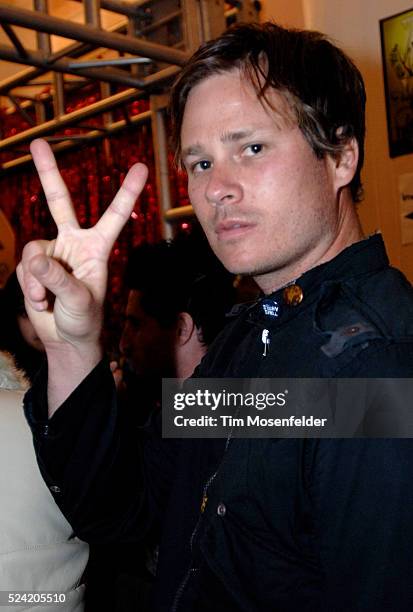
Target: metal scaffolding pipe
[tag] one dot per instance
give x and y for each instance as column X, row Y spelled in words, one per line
column 18, row 45
column 140, row 4
column 160, row 149
column 123, row 8
column 21, row 110
column 73, row 50
column 44, row 45
column 70, row 118
column 180, row 212
column 101, row 63
column 160, row 22
column 58, row 94
column 161, row 76
column 91, row 110
column 40, row 111
column 35, row 58
column 93, row 135
column 43, row 39
column 101, row 38
column 92, row 13
column 16, row 80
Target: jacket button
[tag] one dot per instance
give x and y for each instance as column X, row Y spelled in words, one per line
column 351, row 331
column 221, row 509
column 293, row 295
column 54, row 489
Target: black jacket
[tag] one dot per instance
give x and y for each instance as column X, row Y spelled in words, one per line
column 297, row 524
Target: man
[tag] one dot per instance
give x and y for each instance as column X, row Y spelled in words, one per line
column 169, row 324
column 269, row 124
column 169, row 320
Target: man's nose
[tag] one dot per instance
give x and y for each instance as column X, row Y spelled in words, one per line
column 223, row 186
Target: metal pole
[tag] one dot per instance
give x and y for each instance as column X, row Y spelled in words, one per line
column 192, row 24
column 43, row 39
column 73, row 50
column 102, row 63
column 117, row 100
column 101, row 38
column 71, row 118
column 107, row 121
column 160, row 148
column 123, row 8
column 92, row 18
column 45, row 47
column 179, row 212
column 131, row 31
column 18, row 45
column 92, row 13
column 213, row 18
column 93, row 135
column 40, row 111
column 58, row 94
column 19, row 79
column 160, row 22
column 33, row 58
column 20, row 109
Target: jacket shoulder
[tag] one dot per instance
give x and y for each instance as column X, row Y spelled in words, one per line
column 373, row 316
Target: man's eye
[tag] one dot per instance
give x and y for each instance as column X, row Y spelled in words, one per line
column 201, row 166
column 254, row 149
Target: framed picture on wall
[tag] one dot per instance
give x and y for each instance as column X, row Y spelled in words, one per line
column 397, row 51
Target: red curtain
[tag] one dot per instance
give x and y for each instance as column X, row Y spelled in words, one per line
column 93, row 172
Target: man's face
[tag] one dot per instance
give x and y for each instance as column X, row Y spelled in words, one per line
column 266, row 203
column 145, row 344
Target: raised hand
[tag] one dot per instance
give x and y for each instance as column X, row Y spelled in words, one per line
column 64, row 280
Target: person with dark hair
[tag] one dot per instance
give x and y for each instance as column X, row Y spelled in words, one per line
column 322, row 90
column 18, row 336
column 269, row 125
column 169, row 323
column 170, row 320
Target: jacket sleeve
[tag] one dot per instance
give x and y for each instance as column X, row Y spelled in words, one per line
column 109, row 479
column 363, row 496
column 363, row 499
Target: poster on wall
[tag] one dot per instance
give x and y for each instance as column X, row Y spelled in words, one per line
column 397, row 51
column 406, row 207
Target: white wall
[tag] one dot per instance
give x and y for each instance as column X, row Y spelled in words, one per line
column 354, row 25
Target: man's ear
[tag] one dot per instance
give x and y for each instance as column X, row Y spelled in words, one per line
column 185, row 328
column 346, row 163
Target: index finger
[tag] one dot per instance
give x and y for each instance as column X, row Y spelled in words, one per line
column 54, row 187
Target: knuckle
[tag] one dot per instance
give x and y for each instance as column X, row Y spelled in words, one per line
column 29, row 250
column 54, row 196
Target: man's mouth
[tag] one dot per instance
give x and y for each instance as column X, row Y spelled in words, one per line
column 232, row 228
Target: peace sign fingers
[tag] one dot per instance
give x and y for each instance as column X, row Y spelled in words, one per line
column 56, row 192
column 112, row 221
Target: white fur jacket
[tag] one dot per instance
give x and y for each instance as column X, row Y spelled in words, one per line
column 37, row 550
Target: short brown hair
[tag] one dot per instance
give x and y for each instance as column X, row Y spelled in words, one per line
column 320, row 83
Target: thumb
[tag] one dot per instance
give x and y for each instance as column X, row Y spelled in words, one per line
column 73, row 295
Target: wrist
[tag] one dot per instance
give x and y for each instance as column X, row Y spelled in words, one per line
column 68, row 365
